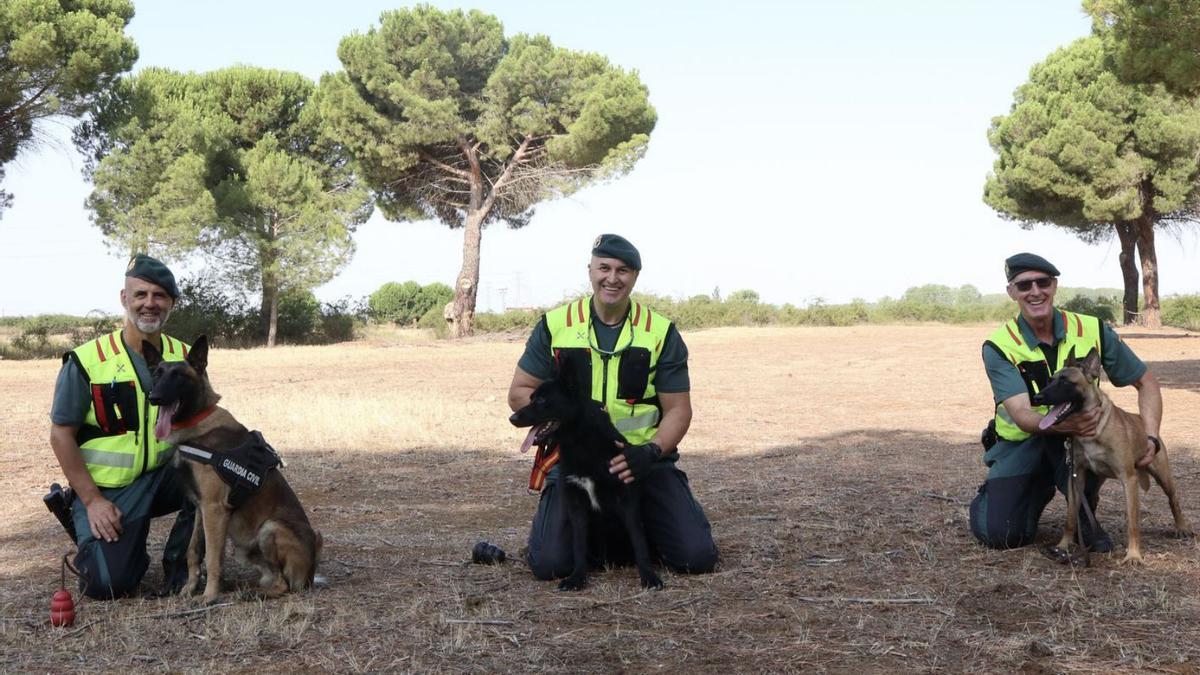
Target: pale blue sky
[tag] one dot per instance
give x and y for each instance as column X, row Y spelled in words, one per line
column 803, row 150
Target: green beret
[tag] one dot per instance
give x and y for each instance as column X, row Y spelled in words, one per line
column 616, row 246
column 150, row 269
column 1023, row 262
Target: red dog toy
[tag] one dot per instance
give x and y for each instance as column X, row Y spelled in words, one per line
column 62, row 605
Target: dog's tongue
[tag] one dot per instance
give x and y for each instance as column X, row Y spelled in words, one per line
column 528, row 442
column 1053, row 416
column 162, row 428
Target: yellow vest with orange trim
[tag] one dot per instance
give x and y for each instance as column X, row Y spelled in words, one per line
column 623, row 381
column 116, row 438
column 1081, row 334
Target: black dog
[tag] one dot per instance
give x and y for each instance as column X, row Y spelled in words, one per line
column 561, row 414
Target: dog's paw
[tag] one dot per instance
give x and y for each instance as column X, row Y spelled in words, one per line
column 572, row 584
column 1184, row 533
column 1133, row 558
column 651, row 581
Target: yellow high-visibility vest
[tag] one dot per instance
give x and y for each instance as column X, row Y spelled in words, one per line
column 117, row 435
column 622, row 380
column 1081, row 334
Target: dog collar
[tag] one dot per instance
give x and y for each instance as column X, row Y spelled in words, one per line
column 194, row 419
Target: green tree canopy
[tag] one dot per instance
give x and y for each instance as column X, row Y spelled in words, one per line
column 451, row 121
column 1084, row 151
column 1152, row 40
column 231, row 164
column 395, row 302
column 745, row 295
column 55, row 57
column 933, row 294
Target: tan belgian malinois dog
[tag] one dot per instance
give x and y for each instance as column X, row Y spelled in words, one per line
column 230, row 473
column 1119, row 442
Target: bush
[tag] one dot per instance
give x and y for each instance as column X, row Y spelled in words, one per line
column 434, row 321
column 34, row 342
column 512, row 320
column 432, row 296
column 1181, row 312
column 50, row 335
column 396, row 303
column 303, row 320
column 341, row 319
column 407, row 303
column 299, row 318
column 1105, row 309
column 229, row 320
column 207, row 308
column 743, row 296
column 929, row 294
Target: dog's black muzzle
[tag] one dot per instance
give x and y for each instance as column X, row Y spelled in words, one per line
column 1058, row 391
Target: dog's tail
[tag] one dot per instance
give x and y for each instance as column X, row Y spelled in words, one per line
column 1144, row 479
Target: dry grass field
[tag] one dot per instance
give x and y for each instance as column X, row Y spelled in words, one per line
column 834, row 464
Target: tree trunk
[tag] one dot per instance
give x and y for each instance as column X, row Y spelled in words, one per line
column 267, row 256
column 461, row 313
column 269, row 312
column 1151, row 317
column 1127, row 234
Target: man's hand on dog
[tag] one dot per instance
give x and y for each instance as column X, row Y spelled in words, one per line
column 1080, row 424
column 105, row 519
column 635, row 461
column 1147, row 457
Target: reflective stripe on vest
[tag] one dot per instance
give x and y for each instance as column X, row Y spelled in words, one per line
column 643, row 421
column 105, row 458
column 115, row 453
column 1081, row 333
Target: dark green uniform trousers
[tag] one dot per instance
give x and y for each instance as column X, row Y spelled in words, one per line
column 114, row 569
column 676, row 528
column 1021, row 480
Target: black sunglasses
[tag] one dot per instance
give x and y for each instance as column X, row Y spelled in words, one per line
column 1026, row 284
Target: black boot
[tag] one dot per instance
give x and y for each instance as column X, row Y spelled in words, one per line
column 175, row 574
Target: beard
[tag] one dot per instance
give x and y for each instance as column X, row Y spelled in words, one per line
column 146, row 325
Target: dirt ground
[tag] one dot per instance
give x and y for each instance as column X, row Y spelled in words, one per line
column 835, row 466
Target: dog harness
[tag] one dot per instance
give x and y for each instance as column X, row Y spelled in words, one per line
column 242, row 468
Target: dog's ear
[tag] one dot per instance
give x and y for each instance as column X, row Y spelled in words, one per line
column 151, row 354
column 1091, row 365
column 566, row 374
column 1071, row 362
column 572, row 366
column 197, row 357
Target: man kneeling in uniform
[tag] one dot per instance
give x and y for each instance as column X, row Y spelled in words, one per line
column 1025, row 462
column 102, row 433
column 608, row 326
